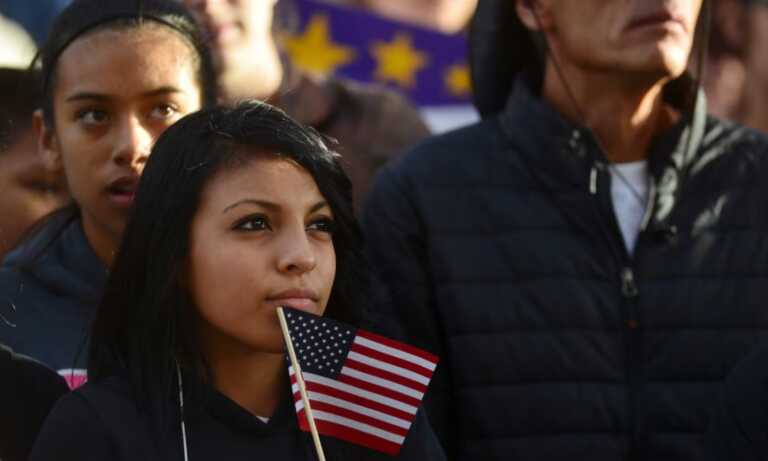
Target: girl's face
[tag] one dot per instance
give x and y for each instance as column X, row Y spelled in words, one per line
column 115, row 92
column 261, row 238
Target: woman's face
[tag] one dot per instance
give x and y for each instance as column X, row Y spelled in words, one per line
column 115, row 92
column 261, row 238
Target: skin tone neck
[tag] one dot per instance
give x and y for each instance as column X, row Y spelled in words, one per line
column 253, row 380
column 625, row 112
column 103, row 242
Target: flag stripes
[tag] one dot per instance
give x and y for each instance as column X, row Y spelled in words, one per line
column 351, row 435
column 371, row 397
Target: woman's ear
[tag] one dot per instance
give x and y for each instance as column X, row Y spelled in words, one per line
column 47, row 143
column 534, row 15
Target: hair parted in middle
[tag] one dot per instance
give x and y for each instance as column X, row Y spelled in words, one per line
column 145, row 324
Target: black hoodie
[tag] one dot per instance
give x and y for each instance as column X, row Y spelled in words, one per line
column 50, row 287
column 101, row 421
column 28, row 391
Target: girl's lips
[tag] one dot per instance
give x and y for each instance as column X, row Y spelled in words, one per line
column 303, row 300
column 301, row 304
column 122, row 199
column 123, row 191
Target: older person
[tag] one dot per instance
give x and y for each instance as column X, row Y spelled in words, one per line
column 590, row 260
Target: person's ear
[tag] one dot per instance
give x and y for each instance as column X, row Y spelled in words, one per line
column 47, row 142
column 533, row 15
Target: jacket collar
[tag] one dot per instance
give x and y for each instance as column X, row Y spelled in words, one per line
column 550, row 143
column 239, row 419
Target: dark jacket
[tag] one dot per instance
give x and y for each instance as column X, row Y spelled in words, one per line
column 501, row 248
column 50, row 287
column 28, row 391
column 372, row 123
column 100, row 421
column 739, row 429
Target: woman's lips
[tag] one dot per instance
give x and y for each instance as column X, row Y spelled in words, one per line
column 303, row 300
column 122, row 199
column 302, row 304
column 123, row 191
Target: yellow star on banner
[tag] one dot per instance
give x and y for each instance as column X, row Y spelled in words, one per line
column 457, row 80
column 398, row 61
column 314, row 49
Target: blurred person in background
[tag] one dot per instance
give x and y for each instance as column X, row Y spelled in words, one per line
column 447, row 16
column 28, row 191
column 725, row 67
column 590, row 260
column 736, row 80
column 754, row 103
column 34, row 16
column 114, row 75
column 372, row 124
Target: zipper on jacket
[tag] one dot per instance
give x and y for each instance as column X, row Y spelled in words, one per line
column 628, row 300
column 628, row 285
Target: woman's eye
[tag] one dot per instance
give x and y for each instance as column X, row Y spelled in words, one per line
column 253, row 223
column 164, row 111
column 93, row 116
column 326, row 225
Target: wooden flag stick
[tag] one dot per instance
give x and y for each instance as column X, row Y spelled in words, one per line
column 302, row 386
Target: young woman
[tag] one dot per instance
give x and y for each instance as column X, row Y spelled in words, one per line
column 239, row 211
column 115, row 74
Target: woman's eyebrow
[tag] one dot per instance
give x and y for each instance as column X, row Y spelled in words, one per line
column 252, row 201
column 86, row 95
column 168, row 89
column 90, row 95
column 319, row 206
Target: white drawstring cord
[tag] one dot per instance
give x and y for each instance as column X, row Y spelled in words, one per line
column 181, row 411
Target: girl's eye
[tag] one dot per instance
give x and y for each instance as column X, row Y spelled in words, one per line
column 164, row 111
column 253, row 223
column 326, row 225
column 92, row 116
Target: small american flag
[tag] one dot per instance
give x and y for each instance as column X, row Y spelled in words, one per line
column 363, row 388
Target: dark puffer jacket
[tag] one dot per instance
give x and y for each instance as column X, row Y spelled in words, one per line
column 502, row 251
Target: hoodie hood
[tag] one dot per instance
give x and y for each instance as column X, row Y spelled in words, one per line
column 501, row 47
column 59, row 257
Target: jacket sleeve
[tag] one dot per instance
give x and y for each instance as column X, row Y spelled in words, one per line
column 398, row 251
column 73, row 431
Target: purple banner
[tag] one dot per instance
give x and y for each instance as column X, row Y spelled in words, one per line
column 427, row 66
